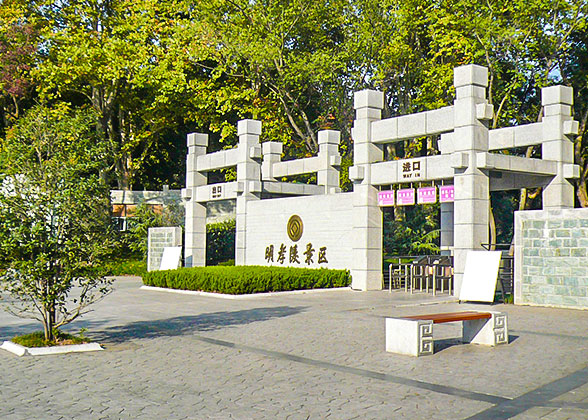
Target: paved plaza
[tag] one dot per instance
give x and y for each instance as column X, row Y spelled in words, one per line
column 304, row 356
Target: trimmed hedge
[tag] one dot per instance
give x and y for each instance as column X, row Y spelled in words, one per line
column 247, row 279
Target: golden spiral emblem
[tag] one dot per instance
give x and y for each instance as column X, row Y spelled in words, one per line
column 295, row 228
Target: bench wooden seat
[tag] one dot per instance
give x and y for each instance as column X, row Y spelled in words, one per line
column 452, row 316
column 413, row 335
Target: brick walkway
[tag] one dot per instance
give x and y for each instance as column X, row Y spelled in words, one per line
column 304, row 356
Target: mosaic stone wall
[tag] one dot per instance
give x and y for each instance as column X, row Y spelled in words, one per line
column 160, row 238
column 551, row 258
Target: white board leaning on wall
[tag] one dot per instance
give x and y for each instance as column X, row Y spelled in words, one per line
column 480, row 275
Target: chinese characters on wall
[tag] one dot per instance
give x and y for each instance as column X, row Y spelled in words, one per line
column 412, row 169
column 217, row 191
column 306, row 255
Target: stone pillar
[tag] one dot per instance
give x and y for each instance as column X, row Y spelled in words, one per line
column 328, row 141
column 367, row 216
column 272, row 153
column 248, row 179
column 195, row 243
column 446, row 240
column 472, row 186
column 557, row 104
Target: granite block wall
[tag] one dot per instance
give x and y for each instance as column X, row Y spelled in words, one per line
column 158, row 239
column 551, row 258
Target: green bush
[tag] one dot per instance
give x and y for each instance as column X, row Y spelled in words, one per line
column 220, row 242
column 247, row 279
column 130, row 266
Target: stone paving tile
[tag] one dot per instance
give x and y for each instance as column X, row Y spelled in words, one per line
column 303, row 356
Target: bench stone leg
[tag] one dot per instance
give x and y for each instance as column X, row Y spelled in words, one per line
column 491, row 332
column 411, row 337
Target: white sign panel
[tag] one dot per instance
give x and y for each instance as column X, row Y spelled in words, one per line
column 480, row 275
column 170, row 259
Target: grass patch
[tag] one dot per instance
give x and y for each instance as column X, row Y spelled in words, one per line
column 247, row 279
column 37, row 339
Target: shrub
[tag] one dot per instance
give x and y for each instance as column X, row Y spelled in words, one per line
column 220, row 242
column 247, row 279
column 125, row 267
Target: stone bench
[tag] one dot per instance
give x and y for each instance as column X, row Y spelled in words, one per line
column 413, row 335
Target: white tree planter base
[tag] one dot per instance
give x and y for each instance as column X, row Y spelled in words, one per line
column 42, row 351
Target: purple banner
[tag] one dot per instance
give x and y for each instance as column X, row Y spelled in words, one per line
column 405, row 197
column 386, row 198
column 427, row 195
column 446, row 193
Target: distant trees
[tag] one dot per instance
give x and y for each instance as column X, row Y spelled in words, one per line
column 156, row 69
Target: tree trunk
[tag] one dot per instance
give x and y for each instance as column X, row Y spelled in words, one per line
column 492, row 222
column 582, row 192
column 48, row 323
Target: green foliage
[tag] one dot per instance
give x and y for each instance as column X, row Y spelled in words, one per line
column 37, row 339
column 55, row 226
column 146, row 217
column 220, row 242
column 411, row 230
column 247, row 279
column 130, row 266
column 156, row 70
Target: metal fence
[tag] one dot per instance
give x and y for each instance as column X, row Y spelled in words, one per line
column 423, row 273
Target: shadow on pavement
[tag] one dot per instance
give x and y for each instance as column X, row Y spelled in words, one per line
column 184, row 325
column 442, row 344
column 9, row 332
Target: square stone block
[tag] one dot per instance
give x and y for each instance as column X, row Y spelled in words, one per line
column 248, row 127
column 197, row 139
column 557, row 95
column 272, row 147
column 470, row 74
column 368, row 99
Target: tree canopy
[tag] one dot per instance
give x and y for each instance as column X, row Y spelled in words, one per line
column 154, row 70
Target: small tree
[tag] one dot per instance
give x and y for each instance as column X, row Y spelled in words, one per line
column 54, row 217
column 145, row 217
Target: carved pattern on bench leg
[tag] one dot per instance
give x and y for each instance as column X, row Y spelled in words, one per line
column 500, row 336
column 500, row 329
column 425, row 338
column 499, row 321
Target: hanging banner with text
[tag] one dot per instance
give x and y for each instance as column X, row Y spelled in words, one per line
column 446, row 194
column 427, row 195
column 385, row 198
column 405, row 197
